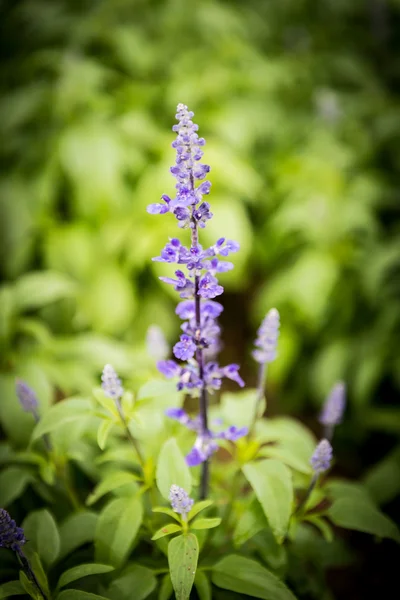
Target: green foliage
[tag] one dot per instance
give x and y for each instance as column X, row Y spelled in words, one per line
column 183, row 554
column 245, row 576
column 272, row 484
column 172, row 469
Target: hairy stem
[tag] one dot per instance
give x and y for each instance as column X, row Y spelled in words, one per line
column 30, row 573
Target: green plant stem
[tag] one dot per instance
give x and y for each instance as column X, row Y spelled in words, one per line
column 30, row 573
column 262, row 376
column 71, row 493
column 130, row 436
column 306, row 496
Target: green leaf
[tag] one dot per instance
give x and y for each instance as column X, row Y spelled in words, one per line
column 116, row 530
column 79, row 595
column 251, row 522
column 172, row 469
column 167, row 511
column 60, row 414
column 203, row 586
column 13, row 482
column 165, row 589
column 324, row 527
column 29, row 586
column 351, row 513
column 77, row 530
column 12, row 588
column 37, row 568
column 239, row 407
column 136, row 582
column 82, row 571
column 112, row 482
column 205, row 523
column 198, row 507
column 383, row 479
column 271, row 481
column 41, row 530
column 155, row 388
column 167, row 530
column 287, row 455
column 183, row 553
column 36, row 289
column 246, row 576
column 103, row 432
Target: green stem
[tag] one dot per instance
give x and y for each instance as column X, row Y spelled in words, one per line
column 30, row 573
column 262, row 376
column 128, row 433
column 306, row 496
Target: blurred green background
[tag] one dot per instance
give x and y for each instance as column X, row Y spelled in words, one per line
column 297, row 100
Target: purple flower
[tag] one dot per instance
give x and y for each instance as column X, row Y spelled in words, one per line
column 322, row 457
column 169, row 368
column 111, row 383
column 27, row 397
column 267, row 337
column 333, row 409
column 208, row 287
column 185, row 349
column 205, row 444
column 11, row 536
column 180, row 501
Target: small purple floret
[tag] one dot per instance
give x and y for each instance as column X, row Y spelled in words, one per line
column 333, row 409
column 322, row 457
column 180, row 501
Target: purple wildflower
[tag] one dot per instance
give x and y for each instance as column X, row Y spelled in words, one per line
column 322, row 457
column 180, row 501
column 185, row 348
column 11, row 536
column 27, row 398
column 333, row 409
column 206, row 441
column 267, row 337
column 111, row 383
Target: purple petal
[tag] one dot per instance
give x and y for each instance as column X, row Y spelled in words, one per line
column 169, row 368
column 194, row 458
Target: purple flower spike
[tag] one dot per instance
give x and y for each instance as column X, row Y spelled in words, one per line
column 333, row 409
column 27, row 397
column 322, row 457
column 11, row 536
column 111, row 383
column 180, row 501
column 267, row 337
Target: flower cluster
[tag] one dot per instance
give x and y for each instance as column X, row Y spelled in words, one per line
column 322, row 457
column 205, row 444
column 198, row 284
column 180, row 500
column 267, row 338
column 333, row 409
column 111, row 383
column 11, row 536
column 27, row 398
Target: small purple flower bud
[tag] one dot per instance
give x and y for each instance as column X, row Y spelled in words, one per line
column 333, row 409
column 11, row 536
column 322, row 457
column 111, row 383
column 156, row 343
column 27, row 397
column 267, row 337
column 180, row 500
